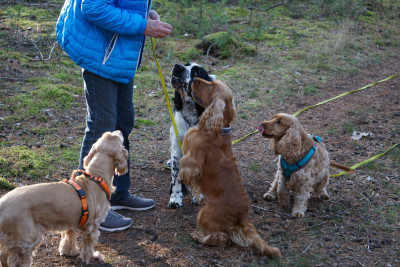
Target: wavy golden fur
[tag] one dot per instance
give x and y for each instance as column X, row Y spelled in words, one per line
column 210, row 167
column 290, row 140
column 26, row 213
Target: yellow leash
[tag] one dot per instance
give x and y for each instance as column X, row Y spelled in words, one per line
column 323, row 102
column 365, row 161
column 346, row 93
column 171, row 114
column 336, row 97
column 154, row 42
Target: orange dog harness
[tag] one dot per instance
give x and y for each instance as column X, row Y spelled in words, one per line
column 100, row 181
column 82, row 196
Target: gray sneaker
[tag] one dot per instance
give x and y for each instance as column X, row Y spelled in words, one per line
column 132, row 202
column 115, row 222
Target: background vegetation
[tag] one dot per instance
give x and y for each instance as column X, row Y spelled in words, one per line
column 275, row 55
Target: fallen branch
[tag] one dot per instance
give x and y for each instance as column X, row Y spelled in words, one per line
column 41, row 55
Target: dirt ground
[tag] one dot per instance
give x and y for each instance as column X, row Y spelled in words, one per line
column 350, row 229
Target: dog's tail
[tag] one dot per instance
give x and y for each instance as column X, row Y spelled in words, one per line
column 247, row 236
column 341, row 167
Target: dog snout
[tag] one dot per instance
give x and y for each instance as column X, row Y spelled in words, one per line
column 178, row 69
column 174, row 80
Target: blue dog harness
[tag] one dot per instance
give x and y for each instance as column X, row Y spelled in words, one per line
column 288, row 169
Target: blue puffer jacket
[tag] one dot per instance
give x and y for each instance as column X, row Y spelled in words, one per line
column 104, row 36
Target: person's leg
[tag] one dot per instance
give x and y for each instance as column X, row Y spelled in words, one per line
column 122, row 199
column 101, row 110
column 101, row 116
column 124, row 123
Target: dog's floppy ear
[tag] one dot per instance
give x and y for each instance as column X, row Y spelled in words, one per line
column 290, row 144
column 213, row 117
column 88, row 158
column 121, row 162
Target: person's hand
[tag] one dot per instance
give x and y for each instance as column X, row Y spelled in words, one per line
column 155, row 27
column 154, row 15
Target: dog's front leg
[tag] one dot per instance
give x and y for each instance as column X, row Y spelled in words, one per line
column 190, row 167
column 176, row 194
column 271, row 194
column 283, row 192
column 89, row 240
column 68, row 244
column 300, row 200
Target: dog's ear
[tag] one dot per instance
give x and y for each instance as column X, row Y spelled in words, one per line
column 230, row 111
column 290, row 144
column 121, row 162
column 88, row 158
column 213, row 117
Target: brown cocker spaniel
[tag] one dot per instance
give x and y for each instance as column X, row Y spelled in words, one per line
column 28, row 212
column 303, row 165
column 210, row 167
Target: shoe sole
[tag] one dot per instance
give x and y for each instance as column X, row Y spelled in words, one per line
column 129, row 208
column 115, row 229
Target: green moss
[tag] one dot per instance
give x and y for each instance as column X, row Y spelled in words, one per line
column 189, row 55
column 224, row 45
column 4, row 184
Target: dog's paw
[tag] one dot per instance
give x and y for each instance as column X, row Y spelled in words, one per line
column 284, row 202
column 92, row 259
column 69, row 251
column 324, row 197
column 198, row 237
column 298, row 214
column 269, row 197
column 174, row 205
column 187, row 174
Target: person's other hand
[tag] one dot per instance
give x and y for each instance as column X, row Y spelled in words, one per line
column 155, row 27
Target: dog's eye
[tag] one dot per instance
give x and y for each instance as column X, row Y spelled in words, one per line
column 278, row 122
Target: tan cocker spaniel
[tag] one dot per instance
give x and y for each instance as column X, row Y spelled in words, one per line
column 26, row 213
column 209, row 167
column 303, row 165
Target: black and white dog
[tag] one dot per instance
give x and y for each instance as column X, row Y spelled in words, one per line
column 187, row 114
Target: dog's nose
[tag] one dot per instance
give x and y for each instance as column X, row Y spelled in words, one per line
column 260, row 128
column 178, row 67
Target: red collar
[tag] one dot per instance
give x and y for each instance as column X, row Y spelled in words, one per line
column 100, row 181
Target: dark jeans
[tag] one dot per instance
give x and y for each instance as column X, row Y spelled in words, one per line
column 109, row 107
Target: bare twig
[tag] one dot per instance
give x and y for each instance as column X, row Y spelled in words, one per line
column 310, row 227
column 10, row 79
column 307, row 248
column 268, row 8
column 51, row 51
column 30, row 4
column 208, row 51
column 357, row 261
column 263, row 209
column 41, row 55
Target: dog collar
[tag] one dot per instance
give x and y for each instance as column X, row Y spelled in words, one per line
column 226, row 131
column 288, row 169
column 99, row 181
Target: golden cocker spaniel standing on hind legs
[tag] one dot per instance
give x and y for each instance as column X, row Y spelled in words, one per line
column 209, row 167
column 26, row 213
column 303, row 165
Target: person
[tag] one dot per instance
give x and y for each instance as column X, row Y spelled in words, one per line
column 106, row 39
